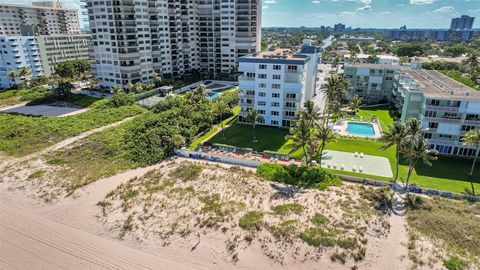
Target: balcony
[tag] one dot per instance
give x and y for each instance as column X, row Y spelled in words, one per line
column 245, row 78
column 443, row 120
column 441, row 108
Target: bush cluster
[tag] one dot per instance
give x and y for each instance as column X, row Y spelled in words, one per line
column 307, row 177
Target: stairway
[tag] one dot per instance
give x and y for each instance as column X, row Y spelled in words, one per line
column 398, row 204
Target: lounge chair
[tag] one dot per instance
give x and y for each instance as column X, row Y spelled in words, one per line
column 360, row 169
column 335, row 165
column 354, row 168
column 342, row 166
column 361, row 155
column 356, row 154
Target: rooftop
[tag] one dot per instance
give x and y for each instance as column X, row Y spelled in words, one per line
column 36, row 7
column 278, row 56
column 278, row 53
column 367, row 65
column 437, row 85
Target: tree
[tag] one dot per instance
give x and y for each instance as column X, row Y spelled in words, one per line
column 138, row 87
column 253, row 117
column 73, row 69
column 64, row 88
column 310, row 113
column 299, row 138
column 13, row 75
column 335, row 87
column 353, row 57
column 473, row 63
column 201, row 91
column 24, row 74
column 129, row 87
column 156, row 79
column 116, row 90
column 371, row 59
column 473, row 138
column 355, row 104
column 417, row 149
column 220, row 108
column 414, row 127
column 323, row 135
column 177, row 141
column 396, row 135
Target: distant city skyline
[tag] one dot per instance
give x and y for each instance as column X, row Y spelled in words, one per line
column 367, row 13
column 353, row 13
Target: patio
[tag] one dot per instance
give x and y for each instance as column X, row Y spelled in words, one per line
column 357, row 162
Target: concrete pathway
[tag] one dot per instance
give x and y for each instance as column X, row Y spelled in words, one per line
column 351, row 162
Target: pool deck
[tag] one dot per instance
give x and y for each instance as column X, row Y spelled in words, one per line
column 357, row 162
column 341, row 128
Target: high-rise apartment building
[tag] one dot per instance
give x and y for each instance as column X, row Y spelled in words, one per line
column 339, row 27
column 465, row 22
column 133, row 39
column 277, row 83
column 45, row 19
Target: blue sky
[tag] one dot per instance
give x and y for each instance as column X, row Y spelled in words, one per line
column 355, row 13
column 368, row 13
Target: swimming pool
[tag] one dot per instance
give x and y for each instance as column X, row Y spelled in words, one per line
column 212, row 95
column 360, row 129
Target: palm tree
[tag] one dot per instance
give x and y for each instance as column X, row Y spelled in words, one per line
column 201, row 91
column 24, row 73
column 253, row 117
column 353, row 57
column 414, row 127
column 323, row 135
column 355, row 104
column 138, row 87
column 310, row 113
column 220, row 108
column 417, row 149
column 64, row 88
column 473, row 138
column 129, row 87
column 335, row 87
column 14, row 75
column 157, row 79
column 396, row 135
column 116, row 90
column 299, row 138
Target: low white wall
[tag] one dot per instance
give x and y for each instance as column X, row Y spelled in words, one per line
column 210, row 157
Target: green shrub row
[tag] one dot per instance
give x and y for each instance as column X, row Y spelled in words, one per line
column 307, row 177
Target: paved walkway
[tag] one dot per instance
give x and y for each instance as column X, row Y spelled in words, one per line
column 372, row 165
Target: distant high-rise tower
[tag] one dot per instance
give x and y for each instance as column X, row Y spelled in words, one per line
column 463, row 23
column 339, row 27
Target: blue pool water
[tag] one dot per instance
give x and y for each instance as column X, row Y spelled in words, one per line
column 360, row 128
column 212, row 95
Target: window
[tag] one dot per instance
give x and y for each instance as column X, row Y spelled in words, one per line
column 467, row 128
column 274, row 113
column 276, row 77
column 374, row 85
column 291, row 95
column 275, row 104
column 292, row 68
column 250, row 93
column 290, row 104
column 261, row 103
column 430, row 114
column 275, row 95
column 432, row 125
column 275, row 86
column 262, row 94
column 450, row 115
column 388, row 78
column 277, row 67
column 445, row 136
column 250, row 75
column 262, row 66
column 262, row 76
column 262, row 85
column 274, row 122
column 261, row 111
column 427, row 135
column 290, row 113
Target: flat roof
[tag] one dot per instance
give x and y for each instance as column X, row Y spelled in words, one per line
column 438, row 85
column 368, row 65
column 285, row 53
column 278, row 55
column 37, row 7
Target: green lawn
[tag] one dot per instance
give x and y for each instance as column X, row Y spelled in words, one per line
column 445, row 174
column 381, row 113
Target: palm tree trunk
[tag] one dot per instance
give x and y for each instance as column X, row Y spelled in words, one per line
column 474, row 160
column 396, row 165
column 221, row 125
column 305, row 155
column 254, row 137
column 322, row 146
column 410, row 170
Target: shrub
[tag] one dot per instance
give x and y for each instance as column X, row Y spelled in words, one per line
column 308, row 177
column 286, row 229
column 455, row 263
column 318, row 237
column 347, row 243
column 251, row 221
column 36, row 174
column 342, row 257
column 187, row 173
column 319, row 219
column 121, row 99
column 284, row 209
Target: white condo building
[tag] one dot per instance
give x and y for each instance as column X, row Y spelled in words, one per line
column 133, row 39
column 277, row 82
column 48, row 18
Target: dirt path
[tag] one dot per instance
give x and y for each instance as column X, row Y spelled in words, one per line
column 29, row 241
column 62, row 144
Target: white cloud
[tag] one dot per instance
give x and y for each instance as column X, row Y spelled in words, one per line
column 474, row 10
column 364, row 8
column 347, row 13
column 385, row 12
column 444, row 9
column 264, row 7
column 316, row 2
column 366, row 2
column 270, row 1
column 422, row 2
